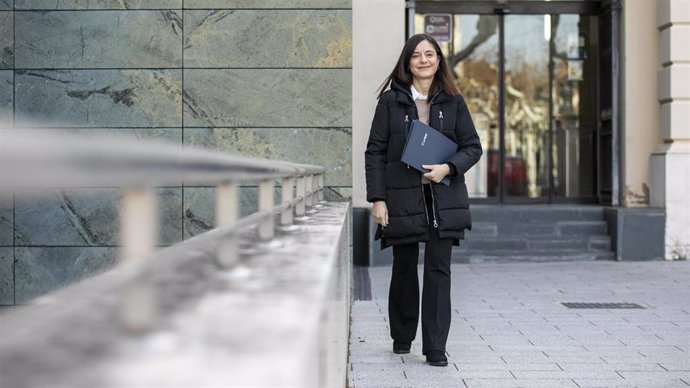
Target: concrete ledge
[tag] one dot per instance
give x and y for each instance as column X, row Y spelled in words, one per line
column 636, row 233
column 279, row 318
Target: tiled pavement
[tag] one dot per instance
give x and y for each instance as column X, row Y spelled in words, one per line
column 509, row 329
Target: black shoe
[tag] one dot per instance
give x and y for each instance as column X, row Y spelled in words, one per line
column 401, row 347
column 436, row 358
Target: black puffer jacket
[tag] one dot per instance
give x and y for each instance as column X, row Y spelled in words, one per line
column 391, row 180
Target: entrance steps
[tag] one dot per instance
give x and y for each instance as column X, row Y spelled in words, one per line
column 535, row 233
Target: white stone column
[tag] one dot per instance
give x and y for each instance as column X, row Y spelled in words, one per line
column 670, row 161
column 640, row 125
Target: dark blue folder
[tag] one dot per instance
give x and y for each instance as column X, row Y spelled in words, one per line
column 425, row 145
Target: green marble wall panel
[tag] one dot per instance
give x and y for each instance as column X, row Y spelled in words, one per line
column 98, row 39
column 170, row 215
column 328, row 147
column 169, row 136
column 6, row 218
column 268, row 97
column 199, row 210
column 100, row 98
column 229, row 4
column 200, row 207
column 98, row 4
column 271, row 75
column 268, row 38
column 41, row 270
column 337, row 194
column 6, row 276
column 7, row 40
column 87, row 217
column 6, row 95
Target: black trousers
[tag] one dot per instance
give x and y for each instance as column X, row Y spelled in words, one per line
column 403, row 296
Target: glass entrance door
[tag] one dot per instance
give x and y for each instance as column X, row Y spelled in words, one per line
column 530, row 83
column 526, row 108
column 574, row 110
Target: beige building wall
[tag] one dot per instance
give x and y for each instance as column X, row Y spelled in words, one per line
column 378, row 34
column 640, row 130
column 670, row 162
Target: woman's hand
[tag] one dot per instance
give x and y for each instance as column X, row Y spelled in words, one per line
column 380, row 213
column 437, row 173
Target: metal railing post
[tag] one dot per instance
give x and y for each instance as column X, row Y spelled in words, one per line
column 314, row 190
column 138, row 233
column 227, row 214
column 321, row 193
column 301, row 193
column 310, row 191
column 266, row 231
column 286, row 196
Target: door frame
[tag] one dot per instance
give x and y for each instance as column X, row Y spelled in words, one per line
column 591, row 7
column 501, row 8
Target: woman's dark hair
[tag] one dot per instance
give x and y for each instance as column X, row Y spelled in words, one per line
column 443, row 79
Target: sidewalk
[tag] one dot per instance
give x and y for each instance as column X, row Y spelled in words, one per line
column 510, row 329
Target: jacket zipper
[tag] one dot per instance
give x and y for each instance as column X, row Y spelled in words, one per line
column 433, row 201
column 407, row 124
column 433, row 207
column 424, row 200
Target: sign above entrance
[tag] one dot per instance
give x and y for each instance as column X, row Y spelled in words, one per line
column 439, row 26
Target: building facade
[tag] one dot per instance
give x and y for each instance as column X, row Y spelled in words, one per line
column 576, row 102
column 583, row 102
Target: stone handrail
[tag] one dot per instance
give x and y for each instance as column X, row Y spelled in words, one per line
column 36, row 159
column 133, row 301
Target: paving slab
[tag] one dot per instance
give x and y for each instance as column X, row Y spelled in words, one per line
column 522, row 383
column 596, row 383
column 560, row 375
column 494, row 366
column 601, row 366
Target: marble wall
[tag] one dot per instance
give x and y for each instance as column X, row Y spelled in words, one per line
column 263, row 78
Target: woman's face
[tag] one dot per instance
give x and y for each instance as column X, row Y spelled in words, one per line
column 424, row 61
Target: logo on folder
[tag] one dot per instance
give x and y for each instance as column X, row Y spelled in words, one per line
column 425, row 145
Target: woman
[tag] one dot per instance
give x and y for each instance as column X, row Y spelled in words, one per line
column 411, row 207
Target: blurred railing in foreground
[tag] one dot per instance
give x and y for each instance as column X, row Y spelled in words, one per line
column 261, row 300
